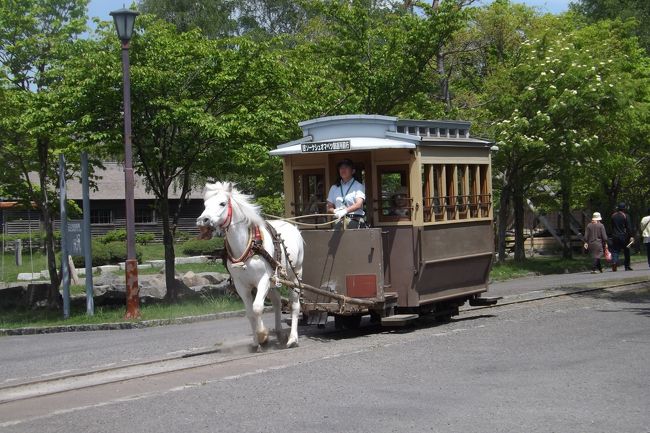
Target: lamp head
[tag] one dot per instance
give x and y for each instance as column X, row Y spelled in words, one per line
column 124, row 20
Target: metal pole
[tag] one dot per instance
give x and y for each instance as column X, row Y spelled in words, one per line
column 90, row 303
column 64, row 247
column 132, row 289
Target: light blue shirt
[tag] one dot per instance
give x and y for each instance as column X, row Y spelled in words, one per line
column 347, row 194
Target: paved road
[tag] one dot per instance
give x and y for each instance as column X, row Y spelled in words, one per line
column 568, row 364
column 32, row 357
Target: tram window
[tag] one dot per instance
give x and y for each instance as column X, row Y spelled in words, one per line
column 461, row 197
column 450, row 197
column 484, row 199
column 455, row 192
column 432, row 181
column 473, row 191
column 443, row 132
column 394, row 199
column 309, row 192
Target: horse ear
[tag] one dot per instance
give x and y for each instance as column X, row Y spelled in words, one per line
column 228, row 187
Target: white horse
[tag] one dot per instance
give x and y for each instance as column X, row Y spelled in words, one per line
column 228, row 212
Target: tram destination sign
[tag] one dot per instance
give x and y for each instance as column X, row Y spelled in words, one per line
column 325, row 146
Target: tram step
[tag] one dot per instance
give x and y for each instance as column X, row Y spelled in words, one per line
column 398, row 319
column 479, row 302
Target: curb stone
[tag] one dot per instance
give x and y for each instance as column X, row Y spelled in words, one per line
column 124, row 325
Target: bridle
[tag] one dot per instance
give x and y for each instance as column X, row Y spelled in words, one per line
column 226, row 223
column 255, row 244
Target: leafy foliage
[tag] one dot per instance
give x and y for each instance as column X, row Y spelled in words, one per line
column 197, row 247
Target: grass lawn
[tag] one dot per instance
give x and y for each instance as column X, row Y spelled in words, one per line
column 9, row 271
column 546, row 265
column 540, row 265
column 34, row 318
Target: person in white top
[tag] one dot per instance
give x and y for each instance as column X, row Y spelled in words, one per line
column 645, row 232
column 346, row 197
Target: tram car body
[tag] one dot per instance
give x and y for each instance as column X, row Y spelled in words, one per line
column 429, row 245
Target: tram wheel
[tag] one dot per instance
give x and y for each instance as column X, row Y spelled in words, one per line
column 347, row 322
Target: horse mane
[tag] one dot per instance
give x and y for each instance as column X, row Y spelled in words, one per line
column 239, row 201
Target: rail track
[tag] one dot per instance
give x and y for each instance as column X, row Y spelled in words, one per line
column 235, row 352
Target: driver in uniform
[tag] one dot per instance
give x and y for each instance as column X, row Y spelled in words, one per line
column 346, row 197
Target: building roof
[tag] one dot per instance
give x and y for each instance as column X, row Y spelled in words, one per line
column 110, row 186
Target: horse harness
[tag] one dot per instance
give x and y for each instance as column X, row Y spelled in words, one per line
column 256, row 246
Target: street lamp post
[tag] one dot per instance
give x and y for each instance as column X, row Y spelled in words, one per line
column 124, row 20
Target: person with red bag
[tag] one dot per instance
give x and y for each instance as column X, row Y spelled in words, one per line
column 596, row 241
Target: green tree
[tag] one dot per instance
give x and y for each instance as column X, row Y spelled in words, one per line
column 372, row 58
column 187, row 92
column 220, row 18
column 637, row 11
column 34, row 37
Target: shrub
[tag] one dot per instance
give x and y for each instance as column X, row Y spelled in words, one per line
column 110, row 253
column 144, row 238
column 182, row 236
column 197, row 247
column 117, row 251
column 101, row 256
column 119, row 235
column 114, row 236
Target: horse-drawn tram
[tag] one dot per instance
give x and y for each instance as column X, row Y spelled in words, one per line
column 424, row 242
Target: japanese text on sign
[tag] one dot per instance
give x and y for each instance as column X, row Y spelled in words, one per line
column 73, row 237
column 327, row 146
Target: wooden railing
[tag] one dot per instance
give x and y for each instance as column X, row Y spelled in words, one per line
column 452, row 207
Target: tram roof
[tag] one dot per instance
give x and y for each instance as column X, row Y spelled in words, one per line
column 374, row 132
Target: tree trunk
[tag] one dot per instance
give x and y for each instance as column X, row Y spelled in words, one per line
column 53, row 297
column 54, row 300
column 504, row 208
column 518, row 205
column 170, row 256
column 566, row 216
column 444, row 80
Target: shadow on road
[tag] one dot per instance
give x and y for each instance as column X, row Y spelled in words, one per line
column 369, row 328
column 640, row 296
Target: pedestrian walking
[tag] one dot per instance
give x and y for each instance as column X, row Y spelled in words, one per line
column 645, row 232
column 621, row 237
column 596, row 241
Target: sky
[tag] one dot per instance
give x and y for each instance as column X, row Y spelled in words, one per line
column 101, row 8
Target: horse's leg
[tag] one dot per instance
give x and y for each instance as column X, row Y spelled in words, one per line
column 258, row 308
column 294, row 298
column 276, row 300
column 247, row 297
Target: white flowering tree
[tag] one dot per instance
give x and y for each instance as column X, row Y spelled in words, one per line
column 571, row 109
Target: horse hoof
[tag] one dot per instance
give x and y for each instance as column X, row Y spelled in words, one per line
column 263, row 337
column 292, row 342
column 255, row 348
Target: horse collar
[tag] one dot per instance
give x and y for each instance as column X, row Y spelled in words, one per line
column 255, row 241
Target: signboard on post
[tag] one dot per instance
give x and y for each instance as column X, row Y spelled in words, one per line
column 74, row 237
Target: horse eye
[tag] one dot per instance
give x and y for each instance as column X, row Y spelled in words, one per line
column 223, row 203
